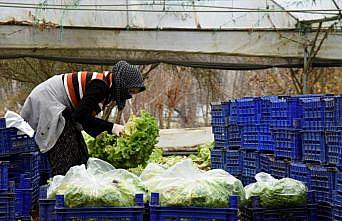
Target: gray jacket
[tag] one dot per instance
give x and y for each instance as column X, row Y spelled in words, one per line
column 43, row 111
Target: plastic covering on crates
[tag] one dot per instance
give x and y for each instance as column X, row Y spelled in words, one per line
column 161, row 213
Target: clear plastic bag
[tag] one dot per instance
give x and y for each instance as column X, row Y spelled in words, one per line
column 275, row 193
column 185, row 185
column 98, row 184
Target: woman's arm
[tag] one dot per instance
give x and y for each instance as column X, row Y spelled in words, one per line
column 85, row 113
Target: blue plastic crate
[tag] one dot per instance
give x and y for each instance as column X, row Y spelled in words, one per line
column 221, row 138
column 217, row 121
column 164, row 213
column 337, row 212
column 234, row 162
column 218, row 129
column 325, row 212
column 7, row 204
column 248, row 110
column 333, row 141
column 46, row 206
column 322, row 181
column 257, row 213
column 234, row 135
column 24, row 163
column 257, row 137
column 13, row 143
column 233, row 112
column 217, row 158
column 338, row 189
column 64, row 213
column 319, row 113
column 4, row 180
column 44, row 169
column 285, row 113
column 27, row 193
column 2, row 123
column 226, row 111
column 44, row 164
column 337, row 197
column 216, row 109
column 300, row 172
column 279, row 168
column 264, row 162
column 288, row 143
column 251, row 166
column 254, row 110
column 314, row 146
column 338, row 110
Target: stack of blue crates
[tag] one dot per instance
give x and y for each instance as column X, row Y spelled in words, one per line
column 23, row 157
column 296, row 136
column 7, row 194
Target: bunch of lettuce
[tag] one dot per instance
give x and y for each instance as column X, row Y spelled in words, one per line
column 184, row 184
column 131, row 149
column 275, row 193
column 99, row 184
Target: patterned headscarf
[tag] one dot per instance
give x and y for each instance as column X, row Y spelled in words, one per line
column 125, row 76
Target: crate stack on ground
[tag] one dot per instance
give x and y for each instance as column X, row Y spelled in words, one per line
column 292, row 136
column 23, row 157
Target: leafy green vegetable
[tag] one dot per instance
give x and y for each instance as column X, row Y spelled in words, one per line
column 201, row 159
column 131, row 149
column 275, row 193
column 183, row 184
column 100, row 184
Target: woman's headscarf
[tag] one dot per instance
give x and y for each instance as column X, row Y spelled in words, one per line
column 125, row 76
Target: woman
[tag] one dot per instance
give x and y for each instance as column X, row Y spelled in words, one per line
column 59, row 108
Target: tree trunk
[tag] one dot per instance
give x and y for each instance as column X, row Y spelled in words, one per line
column 169, row 118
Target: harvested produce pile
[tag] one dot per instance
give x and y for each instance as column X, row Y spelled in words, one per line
column 100, row 184
column 275, row 193
column 185, row 185
column 131, row 149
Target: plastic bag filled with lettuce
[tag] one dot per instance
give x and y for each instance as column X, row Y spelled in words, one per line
column 98, row 184
column 275, row 193
column 185, row 185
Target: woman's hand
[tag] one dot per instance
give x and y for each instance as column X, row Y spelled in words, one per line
column 118, row 129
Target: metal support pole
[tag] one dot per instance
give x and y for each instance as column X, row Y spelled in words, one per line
column 306, row 70
column 303, row 31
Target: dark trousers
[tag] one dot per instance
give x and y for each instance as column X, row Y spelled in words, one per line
column 70, row 149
